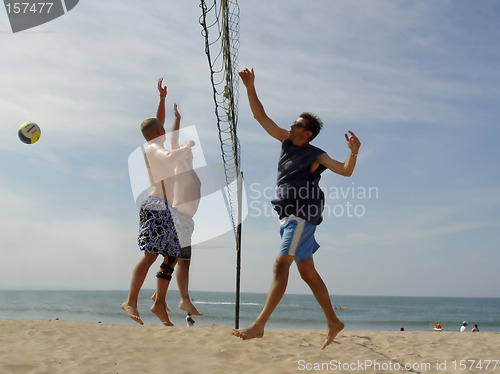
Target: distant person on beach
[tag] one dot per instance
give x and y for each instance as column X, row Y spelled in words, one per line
column 299, row 204
column 189, row 320
column 463, row 327
column 157, row 233
column 475, row 329
column 186, row 199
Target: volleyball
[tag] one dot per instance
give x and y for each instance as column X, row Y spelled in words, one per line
column 29, row 132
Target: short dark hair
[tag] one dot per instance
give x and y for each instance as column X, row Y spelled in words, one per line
column 148, row 127
column 314, row 124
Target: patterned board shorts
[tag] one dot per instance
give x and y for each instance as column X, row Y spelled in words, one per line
column 157, row 234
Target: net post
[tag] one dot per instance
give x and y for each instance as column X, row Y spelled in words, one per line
column 238, row 252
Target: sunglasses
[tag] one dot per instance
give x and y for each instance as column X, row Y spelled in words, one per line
column 298, row 124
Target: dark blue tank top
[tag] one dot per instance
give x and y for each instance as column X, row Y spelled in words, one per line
column 298, row 191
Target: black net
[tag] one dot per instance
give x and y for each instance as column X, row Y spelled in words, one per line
column 220, row 23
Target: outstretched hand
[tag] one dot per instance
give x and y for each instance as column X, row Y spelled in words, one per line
column 162, row 89
column 188, row 144
column 247, row 76
column 352, row 142
column 176, row 113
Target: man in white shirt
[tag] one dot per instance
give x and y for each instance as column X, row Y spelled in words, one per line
column 464, row 325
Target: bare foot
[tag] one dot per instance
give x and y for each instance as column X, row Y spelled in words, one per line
column 153, row 297
column 132, row 312
column 189, row 308
column 250, row 332
column 332, row 333
column 159, row 310
column 168, row 323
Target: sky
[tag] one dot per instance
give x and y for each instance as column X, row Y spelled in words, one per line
column 417, row 81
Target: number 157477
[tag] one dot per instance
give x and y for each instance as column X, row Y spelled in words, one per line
column 24, row 8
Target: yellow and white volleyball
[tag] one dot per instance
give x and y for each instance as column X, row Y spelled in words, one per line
column 29, row 132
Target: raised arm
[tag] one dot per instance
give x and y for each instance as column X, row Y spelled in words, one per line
column 174, row 131
column 160, row 111
column 248, row 78
column 347, row 167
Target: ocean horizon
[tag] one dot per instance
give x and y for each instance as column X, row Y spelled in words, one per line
column 295, row 311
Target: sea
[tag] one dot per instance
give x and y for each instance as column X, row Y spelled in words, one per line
column 376, row 313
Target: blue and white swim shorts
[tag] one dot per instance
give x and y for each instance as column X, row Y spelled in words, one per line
column 297, row 238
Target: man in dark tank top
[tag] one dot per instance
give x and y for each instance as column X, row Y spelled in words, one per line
column 299, row 203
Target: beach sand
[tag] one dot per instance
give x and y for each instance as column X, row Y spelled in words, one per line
column 73, row 347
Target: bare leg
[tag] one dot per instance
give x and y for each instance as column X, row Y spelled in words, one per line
column 159, row 307
column 182, row 276
column 138, row 275
column 312, row 278
column 278, row 287
column 153, row 297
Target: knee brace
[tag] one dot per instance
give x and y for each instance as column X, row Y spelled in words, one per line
column 166, row 269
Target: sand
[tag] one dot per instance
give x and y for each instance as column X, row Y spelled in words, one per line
column 73, row 347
